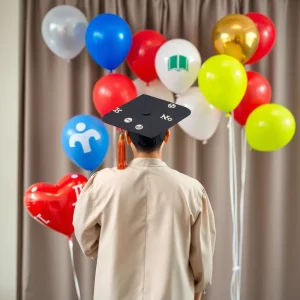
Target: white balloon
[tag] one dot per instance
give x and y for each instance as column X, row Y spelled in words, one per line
column 63, row 30
column 204, row 118
column 154, row 89
column 177, row 64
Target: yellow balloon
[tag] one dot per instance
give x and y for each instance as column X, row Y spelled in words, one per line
column 236, row 35
column 270, row 127
column 223, row 81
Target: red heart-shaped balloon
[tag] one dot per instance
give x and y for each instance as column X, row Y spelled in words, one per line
column 53, row 205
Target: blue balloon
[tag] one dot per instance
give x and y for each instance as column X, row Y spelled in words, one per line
column 108, row 40
column 85, row 140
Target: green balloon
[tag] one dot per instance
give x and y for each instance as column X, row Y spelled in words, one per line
column 223, row 82
column 270, row 127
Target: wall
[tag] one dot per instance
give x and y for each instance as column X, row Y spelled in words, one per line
column 10, row 91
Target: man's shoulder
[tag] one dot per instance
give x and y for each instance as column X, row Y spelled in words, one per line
column 185, row 180
column 104, row 175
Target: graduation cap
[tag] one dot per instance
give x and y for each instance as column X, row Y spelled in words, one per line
column 145, row 115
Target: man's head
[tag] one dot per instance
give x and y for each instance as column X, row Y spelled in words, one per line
column 145, row 118
column 144, row 145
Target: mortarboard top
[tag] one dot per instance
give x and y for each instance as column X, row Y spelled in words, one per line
column 147, row 116
column 144, row 115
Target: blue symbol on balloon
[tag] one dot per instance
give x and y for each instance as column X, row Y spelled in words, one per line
column 85, row 140
column 108, row 40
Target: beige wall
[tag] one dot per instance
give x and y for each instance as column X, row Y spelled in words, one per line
column 10, row 71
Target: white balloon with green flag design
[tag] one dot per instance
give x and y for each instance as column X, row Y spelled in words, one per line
column 177, row 64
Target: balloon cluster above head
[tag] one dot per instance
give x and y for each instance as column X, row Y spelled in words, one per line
column 165, row 67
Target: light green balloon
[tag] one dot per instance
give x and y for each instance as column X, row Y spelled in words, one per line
column 270, row 127
column 223, row 82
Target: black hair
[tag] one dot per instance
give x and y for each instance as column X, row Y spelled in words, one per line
column 145, row 144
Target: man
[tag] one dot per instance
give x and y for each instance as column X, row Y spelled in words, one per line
column 151, row 228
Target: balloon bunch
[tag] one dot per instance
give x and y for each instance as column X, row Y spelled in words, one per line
column 246, row 39
column 84, row 138
column 162, row 68
column 244, row 97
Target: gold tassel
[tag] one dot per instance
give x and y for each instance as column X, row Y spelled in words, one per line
column 121, row 155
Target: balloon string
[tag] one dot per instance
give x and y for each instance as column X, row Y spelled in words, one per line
column 242, row 198
column 233, row 201
column 73, row 268
column 237, row 265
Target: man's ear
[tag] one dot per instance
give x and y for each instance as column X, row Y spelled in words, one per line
column 167, row 136
column 127, row 138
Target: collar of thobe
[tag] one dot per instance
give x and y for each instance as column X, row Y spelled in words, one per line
column 147, row 162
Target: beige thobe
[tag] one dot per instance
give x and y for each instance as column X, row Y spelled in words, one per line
column 152, row 230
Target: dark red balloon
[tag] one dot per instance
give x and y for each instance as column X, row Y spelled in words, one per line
column 141, row 57
column 258, row 92
column 267, row 36
column 53, row 205
column 113, row 91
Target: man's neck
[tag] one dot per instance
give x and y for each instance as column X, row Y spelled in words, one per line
column 157, row 155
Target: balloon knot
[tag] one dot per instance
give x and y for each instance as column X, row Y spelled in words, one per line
column 177, row 95
column 204, row 142
column 228, row 115
column 236, row 268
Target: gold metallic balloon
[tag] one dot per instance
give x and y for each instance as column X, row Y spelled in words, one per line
column 236, row 35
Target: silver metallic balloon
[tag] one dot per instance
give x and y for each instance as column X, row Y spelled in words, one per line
column 63, row 30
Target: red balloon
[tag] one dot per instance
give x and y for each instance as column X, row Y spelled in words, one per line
column 53, row 205
column 141, row 57
column 258, row 92
column 267, row 33
column 113, row 91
